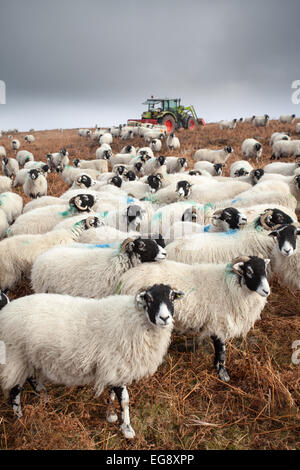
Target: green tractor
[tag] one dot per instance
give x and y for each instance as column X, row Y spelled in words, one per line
column 171, row 113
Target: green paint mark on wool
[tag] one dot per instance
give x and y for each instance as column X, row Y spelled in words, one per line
column 228, row 271
column 118, row 288
column 257, row 225
column 26, row 242
column 207, row 206
column 8, row 232
column 68, row 212
column 157, row 216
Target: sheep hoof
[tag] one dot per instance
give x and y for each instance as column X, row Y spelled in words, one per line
column 112, row 418
column 128, row 431
column 223, row 374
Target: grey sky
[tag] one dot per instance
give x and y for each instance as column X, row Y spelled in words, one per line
column 70, row 63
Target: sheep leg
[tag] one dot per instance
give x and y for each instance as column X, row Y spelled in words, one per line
column 219, row 361
column 36, row 385
column 111, row 415
column 15, row 400
column 123, row 397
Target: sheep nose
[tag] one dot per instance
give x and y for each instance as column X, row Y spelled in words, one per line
column 287, row 251
column 164, row 319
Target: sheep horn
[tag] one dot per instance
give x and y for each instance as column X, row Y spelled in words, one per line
column 263, row 219
column 216, row 215
column 125, row 244
column 239, row 259
column 78, row 204
column 90, row 222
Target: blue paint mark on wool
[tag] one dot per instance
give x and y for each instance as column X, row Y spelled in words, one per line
column 239, row 199
column 130, row 200
column 207, row 228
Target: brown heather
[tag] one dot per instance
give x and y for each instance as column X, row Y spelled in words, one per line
column 184, row 405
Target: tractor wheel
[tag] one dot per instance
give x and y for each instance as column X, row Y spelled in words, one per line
column 169, row 121
column 191, row 123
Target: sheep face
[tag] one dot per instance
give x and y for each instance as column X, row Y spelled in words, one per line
column 119, row 170
column 33, row 174
column 228, row 149
column 241, row 172
column 257, row 174
column 91, row 222
column 130, row 175
column 252, row 272
column 146, row 249
column 85, row 181
column 286, row 236
column 154, row 182
column 116, row 181
column 3, row 299
column 138, row 166
column 218, row 168
column 82, row 202
column 183, row 188
column 229, row 218
column 161, row 160
column 182, row 162
column 158, row 304
column 76, row 162
column 106, row 154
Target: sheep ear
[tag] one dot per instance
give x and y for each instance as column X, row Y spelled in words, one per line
column 267, row 261
column 176, row 294
column 238, row 268
column 273, row 234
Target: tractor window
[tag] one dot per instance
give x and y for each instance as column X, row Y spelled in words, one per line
column 172, row 104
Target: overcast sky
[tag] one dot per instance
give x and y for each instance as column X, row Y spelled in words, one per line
column 71, row 63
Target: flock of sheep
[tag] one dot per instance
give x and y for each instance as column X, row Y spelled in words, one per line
column 102, row 315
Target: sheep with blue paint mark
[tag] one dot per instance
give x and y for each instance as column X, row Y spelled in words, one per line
column 89, row 271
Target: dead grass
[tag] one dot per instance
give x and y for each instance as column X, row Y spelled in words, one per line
column 185, row 405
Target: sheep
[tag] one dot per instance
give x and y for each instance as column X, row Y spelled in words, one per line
column 29, row 138
column 106, row 139
column 24, row 156
column 103, row 152
column 54, row 160
column 175, row 164
column 153, row 165
column 298, row 128
column 144, row 151
column 35, row 184
column 5, row 184
column 40, row 166
column 3, row 224
column 286, row 169
column 10, row 167
column 287, row 118
column 251, row 148
column 285, row 148
column 213, row 156
column 84, row 133
column 99, row 165
column 240, row 168
column 15, row 144
column 69, row 173
column 83, row 351
column 156, row 145
column 126, row 133
column 205, row 193
column 89, row 271
column 12, row 205
column 22, row 175
column 43, row 219
column 222, row 301
column 278, row 136
column 261, row 121
column 212, row 169
column 228, row 124
column 2, row 151
column 121, row 158
column 116, row 131
column 219, row 247
column 173, row 142
column 153, row 134
column 18, row 253
column 249, row 119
